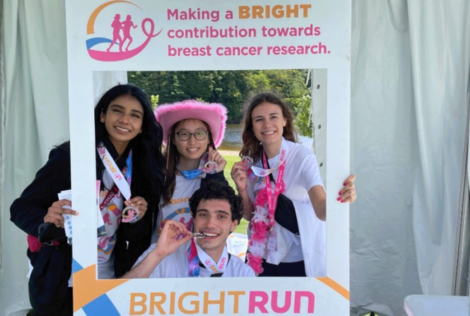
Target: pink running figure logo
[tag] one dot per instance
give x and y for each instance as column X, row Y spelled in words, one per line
column 126, row 30
column 117, row 26
column 121, row 35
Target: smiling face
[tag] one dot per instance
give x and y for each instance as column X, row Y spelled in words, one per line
column 214, row 219
column 190, row 150
column 123, row 120
column 268, row 123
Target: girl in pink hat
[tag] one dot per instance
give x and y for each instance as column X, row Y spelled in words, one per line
column 192, row 131
column 283, row 194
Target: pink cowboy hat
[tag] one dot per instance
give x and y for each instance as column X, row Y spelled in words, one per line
column 214, row 114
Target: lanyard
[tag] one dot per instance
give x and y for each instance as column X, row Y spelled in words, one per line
column 116, row 174
column 266, row 171
column 209, row 263
column 272, row 197
column 193, row 260
column 205, row 166
column 129, row 168
column 196, row 254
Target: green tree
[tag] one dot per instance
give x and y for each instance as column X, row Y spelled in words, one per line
column 154, row 101
column 302, row 120
column 230, row 88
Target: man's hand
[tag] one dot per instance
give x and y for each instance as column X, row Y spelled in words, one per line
column 173, row 235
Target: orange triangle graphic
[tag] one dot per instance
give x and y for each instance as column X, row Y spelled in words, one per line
column 87, row 288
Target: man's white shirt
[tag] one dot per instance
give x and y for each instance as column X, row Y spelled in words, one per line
column 176, row 265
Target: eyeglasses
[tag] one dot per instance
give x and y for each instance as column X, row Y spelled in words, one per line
column 185, row 136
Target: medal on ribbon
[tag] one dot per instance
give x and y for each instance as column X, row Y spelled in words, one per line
column 130, row 214
column 205, row 167
column 247, row 162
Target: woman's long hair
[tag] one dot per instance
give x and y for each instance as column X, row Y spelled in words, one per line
column 251, row 145
column 147, row 158
column 172, row 158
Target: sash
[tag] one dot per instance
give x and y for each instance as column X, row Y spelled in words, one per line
column 116, row 174
column 109, row 196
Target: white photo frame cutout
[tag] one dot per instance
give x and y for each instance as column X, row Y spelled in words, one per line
column 88, row 36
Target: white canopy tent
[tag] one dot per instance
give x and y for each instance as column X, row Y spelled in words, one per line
column 410, row 71
column 410, row 78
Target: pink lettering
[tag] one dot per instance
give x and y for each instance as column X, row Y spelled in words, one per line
column 260, row 304
column 173, row 14
column 310, row 299
column 287, row 302
column 222, row 263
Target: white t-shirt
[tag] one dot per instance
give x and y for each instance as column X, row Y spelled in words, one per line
column 301, row 173
column 176, row 265
column 178, row 208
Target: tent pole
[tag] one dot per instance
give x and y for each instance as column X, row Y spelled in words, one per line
column 462, row 253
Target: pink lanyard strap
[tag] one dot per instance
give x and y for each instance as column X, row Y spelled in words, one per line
column 272, row 198
column 193, row 260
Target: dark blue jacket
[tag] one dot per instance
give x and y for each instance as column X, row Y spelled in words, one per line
column 48, row 283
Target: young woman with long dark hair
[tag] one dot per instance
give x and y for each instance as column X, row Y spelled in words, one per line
column 129, row 139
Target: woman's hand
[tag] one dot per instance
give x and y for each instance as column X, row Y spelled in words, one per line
column 239, row 175
column 54, row 213
column 139, row 203
column 214, row 155
column 348, row 193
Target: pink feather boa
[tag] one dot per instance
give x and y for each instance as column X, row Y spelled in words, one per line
column 260, row 226
column 259, row 230
column 255, row 263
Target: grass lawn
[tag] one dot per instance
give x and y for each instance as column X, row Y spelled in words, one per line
column 231, row 159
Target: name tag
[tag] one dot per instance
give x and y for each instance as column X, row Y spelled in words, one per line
column 272, row 241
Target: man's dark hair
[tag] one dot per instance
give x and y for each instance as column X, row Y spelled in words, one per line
column 217, row 190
